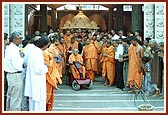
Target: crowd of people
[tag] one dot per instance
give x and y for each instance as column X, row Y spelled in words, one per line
column 34, row 67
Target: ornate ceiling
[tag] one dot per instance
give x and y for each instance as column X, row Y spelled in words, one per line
column 58, row 5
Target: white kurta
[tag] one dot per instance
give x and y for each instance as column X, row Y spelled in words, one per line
column 35, row 86
column 27, row 51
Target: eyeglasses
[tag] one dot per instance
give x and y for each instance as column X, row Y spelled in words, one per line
column 20, row 38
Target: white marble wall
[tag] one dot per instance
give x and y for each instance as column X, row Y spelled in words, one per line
column 159, row 22
column 14, row 18
column 154, row 21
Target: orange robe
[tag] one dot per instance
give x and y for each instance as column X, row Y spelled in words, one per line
column 62, row 51
column 90, row 58
column 99, row 49
column 68, row 40
column 108, row 67
column 74, row 71
column 51, row 79
column 55, row 51
column 74, row 45
column 134, row 76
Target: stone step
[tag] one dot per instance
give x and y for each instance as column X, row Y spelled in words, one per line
column 100, row 98
column 106, row 103
column 106, row 110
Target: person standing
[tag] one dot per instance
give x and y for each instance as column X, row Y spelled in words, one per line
column 121, row 34
column 35, row 84
column 62, row 50
column 67, row 38
column 161, row 55
column 90, row 58
column 135, row 52
column 51, row 77
column 108, row 64
column 27, row 50
column 146, row 67
column 155, row 66
column 13, row 66
column 119, row 65
column 6, row 42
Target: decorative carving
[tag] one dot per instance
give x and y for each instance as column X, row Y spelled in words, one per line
column 6, row 21
column 6, row 9
column 149, row 22
column 160, row 34
column 160, row 9
column 149, row 10
column 149, row 33
column 18, row 22
column 160, row 22
column 18, row 9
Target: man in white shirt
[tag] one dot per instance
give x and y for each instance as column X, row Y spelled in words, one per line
column 13, row 66
column 114, row 35
column 119, row 65
column 121, row 34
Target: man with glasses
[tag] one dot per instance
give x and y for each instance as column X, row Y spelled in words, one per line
column 13, row 62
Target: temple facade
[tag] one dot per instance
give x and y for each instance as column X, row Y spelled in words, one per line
column 148, row 18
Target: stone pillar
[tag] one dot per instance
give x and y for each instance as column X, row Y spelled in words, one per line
column 53, row 18
column 149, row 24
column 14, row 18
column 110, row 20
column 160, row 22
column 26, row 17
column 43, row 18
column 119, row 14
column 137, row 17
column 154, row 22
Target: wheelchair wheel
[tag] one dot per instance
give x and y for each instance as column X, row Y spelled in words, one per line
column 75, row 85
column 89, row 86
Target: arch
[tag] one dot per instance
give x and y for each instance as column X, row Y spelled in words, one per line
column 99, row 20
column 64, row 19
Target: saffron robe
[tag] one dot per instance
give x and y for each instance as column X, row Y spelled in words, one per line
column 134, row 74
column 74, row 71
column 90, row 58
column 108, row 65
column 62, row 51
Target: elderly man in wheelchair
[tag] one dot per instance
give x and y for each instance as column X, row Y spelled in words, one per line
column 78, row 71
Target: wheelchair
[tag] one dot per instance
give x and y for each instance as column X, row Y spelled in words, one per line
column 78, row 83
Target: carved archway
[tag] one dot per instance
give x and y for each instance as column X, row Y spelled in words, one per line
column 67, row 17
column 99, row 20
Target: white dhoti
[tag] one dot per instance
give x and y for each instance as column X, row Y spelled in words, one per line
column 37, row 105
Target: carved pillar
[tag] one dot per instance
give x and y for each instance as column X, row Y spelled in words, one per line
column 14, row 18
column 6, row 18
column 154, row 22
column 159, row 22
column 149, row 23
